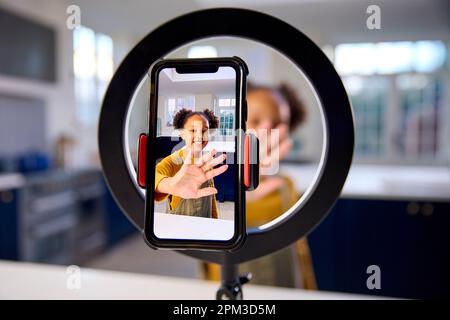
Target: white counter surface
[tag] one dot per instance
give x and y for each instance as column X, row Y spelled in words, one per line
column 11, row 181
column 383, row 182
column 20, row 280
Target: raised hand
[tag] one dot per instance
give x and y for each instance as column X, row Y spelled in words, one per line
column 196, row 170
column 274, row 146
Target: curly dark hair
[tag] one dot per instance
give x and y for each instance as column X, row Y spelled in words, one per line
column 296, row 106
column 181, row 117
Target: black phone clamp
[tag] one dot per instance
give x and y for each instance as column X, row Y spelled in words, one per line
column 232, row 282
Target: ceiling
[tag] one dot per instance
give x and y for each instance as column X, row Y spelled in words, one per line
column 325, row 21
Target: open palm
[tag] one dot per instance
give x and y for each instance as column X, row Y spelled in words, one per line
column 187, row 182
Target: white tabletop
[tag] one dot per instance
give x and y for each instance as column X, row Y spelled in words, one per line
column 36, row 281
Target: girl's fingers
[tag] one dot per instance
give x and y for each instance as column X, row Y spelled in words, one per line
column 265, row 187
column 278, row 153
column 197, row 152
column 263, row 131
column 269, row 138
column 209, row 155
column 215, row 172
column 277, row 135
column 188, row 158
column 285, row 147
column 277, row 145
column 208, row 191
column 214, row 162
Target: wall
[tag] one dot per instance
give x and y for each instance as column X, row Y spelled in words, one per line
column 203, row 101
column 58, row 97
column 326, row 22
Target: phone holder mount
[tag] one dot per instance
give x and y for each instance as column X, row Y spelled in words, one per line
column 251, row 161
column 336, row 116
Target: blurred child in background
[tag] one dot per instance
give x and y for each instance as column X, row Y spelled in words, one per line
column 274, row 108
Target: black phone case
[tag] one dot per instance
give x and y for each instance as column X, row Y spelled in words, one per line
column 189, row 66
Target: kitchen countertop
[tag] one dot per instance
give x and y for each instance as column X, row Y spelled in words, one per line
column 11, row 181
column 21, row 280
column 383, row 182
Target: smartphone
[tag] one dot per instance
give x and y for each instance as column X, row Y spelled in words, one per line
column 195, row 195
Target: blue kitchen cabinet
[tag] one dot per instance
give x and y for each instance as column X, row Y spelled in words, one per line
column 54, row 217
column 9, row 242
column 118, row 226
column 408, row 240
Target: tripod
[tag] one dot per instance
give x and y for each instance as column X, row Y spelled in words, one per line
column 232, row 282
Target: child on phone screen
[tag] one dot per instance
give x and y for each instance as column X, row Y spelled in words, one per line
column 185, row 177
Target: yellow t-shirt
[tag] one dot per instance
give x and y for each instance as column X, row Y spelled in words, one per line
column 271, row 205
column 168, row 167
column 259, row 212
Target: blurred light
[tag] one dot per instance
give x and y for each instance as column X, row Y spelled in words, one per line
column 355, row 58
column 394, row 57
column 353, row 85
column 202, row 52
column 84, row 53
column 429, row 56
column 93, row 68
column 104, row 57
column 390, row 57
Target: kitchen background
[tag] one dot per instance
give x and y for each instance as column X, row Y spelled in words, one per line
column 394, row 211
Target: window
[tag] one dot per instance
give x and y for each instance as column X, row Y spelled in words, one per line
column 175, row 104
column 226, row 108
column 369, row 98
column 397, row 90
column 226, row 123
column 390, row 57
column 226, row 102
column 420, row 99
column 93, row 68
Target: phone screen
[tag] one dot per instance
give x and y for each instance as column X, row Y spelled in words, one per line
column 195, row 154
